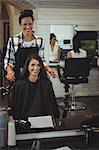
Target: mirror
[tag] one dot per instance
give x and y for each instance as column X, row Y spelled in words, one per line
column 64, row 35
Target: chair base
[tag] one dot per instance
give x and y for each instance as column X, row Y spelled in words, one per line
column 71, row 106
column 77, row 106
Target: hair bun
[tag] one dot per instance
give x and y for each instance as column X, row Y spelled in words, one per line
column 28, row 12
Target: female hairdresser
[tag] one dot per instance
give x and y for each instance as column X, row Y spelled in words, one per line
column 23, row 44
column 32, row 94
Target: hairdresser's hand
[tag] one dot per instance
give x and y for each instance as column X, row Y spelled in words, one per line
column 10, row 74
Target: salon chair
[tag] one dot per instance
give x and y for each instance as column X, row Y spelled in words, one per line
column 75, row 71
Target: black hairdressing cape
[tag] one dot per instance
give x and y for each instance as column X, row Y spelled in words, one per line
column 33, row 99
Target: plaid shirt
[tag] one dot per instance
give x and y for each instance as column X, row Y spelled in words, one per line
column 12, row 48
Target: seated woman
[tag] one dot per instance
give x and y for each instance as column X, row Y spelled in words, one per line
column 77, row 52
column 32, row 94
column 54, row 49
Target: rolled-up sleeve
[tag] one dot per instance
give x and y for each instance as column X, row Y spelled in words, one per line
column 10, row 54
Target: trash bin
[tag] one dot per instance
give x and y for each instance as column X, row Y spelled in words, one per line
column 3, row 127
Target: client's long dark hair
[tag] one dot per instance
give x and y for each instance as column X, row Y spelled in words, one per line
column 76, row 43
column 25, row 72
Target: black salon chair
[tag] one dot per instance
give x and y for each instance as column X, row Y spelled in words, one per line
column 75, row 71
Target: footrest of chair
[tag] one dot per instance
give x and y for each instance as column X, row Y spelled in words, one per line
column 76, row 106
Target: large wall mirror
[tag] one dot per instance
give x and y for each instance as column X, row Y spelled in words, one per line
column 89, row 41
column 64, row 35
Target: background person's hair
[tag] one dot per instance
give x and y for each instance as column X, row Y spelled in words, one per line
column 52, row 35
column 76, row 43
column 25, row 13
column 25, row 72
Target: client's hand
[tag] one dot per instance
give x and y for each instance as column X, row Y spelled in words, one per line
column 53, row 73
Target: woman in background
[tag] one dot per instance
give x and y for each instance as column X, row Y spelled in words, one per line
column 77, row 52
column 32, row 94
column 54, row 49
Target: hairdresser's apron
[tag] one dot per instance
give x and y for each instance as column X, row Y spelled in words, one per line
column 21, row 56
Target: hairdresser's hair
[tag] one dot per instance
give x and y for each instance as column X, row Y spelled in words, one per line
column 52, row 35
column 25, row 13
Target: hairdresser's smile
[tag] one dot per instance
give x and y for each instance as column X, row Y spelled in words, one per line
column 27, row 26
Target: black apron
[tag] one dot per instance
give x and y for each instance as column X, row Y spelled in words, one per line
column 21, row 56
